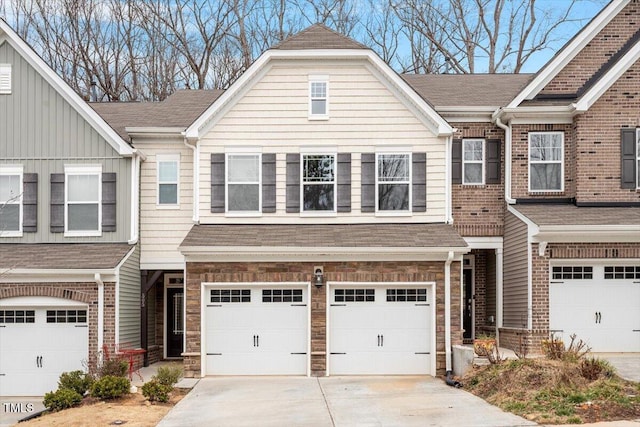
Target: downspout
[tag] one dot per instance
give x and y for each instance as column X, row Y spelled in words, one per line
column 135, row 195
column 100, row 283
column 447, row 311
column 448, row 205
column 507, row 160
column 196, row 180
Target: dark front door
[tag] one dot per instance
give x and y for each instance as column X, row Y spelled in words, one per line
column 175, row 322
column 467, row 298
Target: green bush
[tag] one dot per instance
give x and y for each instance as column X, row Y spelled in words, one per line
column 114, row 368
column 168, row 375
column 155, row 391
column 110, row 387
column 78, row 381
column 62, row 398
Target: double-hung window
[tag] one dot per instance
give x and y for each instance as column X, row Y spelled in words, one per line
column 638, row 158
column 168, row 166
column 546, row 158
column 393, row 182
column 318, row 182
column 243, row 183
column 10, row 201
column 473, row 161
column 318, row 97
column 83, row 200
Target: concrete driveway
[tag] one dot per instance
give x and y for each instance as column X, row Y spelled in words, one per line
column 334, row 401
column 627, row 364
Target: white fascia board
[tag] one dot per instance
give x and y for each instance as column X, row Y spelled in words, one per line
column 155, row 132
column 570, row 51
column 484, row 242
column 455, row 114
column 27, row 275
column 587, row 234
column 205, row 122
column 65, row 90
column 538, row 114
column 606, row 81
column 162, row 265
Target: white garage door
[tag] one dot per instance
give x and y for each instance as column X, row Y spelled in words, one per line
column 598, row 303
column 381, row 330
column 256, row 330
column 37, row 344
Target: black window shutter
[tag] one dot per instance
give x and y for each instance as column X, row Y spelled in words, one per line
column 368, row 188
column 493, row 161
column 628, row 158
column 109, row 201
column 456, row 161
column 344, row 182
column 293, row 182
column 217, row 183
column 30, row 202
column 56, row 207
column 268, row 183
column 419, row 182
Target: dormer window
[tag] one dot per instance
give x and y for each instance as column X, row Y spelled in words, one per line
column 318, row 98
column 5, row 79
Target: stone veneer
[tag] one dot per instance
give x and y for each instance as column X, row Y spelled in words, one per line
column 333, row 271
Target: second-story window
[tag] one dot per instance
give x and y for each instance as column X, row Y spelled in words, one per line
column 168, row 179
column 393, row 184
column 546, row 156
column 318, row 182
column 243, row 183
column 10, row 201
column 318, row 97
column 83, row 206
column 638, row 156
column 473, row 161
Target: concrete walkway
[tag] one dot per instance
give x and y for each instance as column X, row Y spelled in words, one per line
column 627, row 364
column 334, row 401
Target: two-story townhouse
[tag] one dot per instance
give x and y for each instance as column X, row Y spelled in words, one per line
column 69, row 270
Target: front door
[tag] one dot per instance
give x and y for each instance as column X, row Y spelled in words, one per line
column 467, row 320
column 175, row 322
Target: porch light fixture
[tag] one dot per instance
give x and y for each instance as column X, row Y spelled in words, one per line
column 318, row 277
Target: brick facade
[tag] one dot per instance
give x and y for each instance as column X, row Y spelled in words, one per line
column 197, row 273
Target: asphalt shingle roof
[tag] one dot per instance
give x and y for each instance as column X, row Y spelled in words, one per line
column 62, row 255
column 547, row 214
column 318, row 36
column 323, row 235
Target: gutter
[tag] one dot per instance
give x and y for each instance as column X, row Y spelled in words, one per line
column 507, row 159
column 196, row 179
column 100, row 283
column 447, row 310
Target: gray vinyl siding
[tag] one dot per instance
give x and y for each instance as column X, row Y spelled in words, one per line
column 129, row 300
column 42, row 132
column 516, row 273
column 491, row 286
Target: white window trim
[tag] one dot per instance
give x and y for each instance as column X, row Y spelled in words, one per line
column 14, row 170
column 334, row 211
column 638, row 159
column 561, row 161
column 5, row 79
column 167, row 158
column 409, row 181
column 475, row 162
column 319, row 79
column 226, row 185
column 82, row 170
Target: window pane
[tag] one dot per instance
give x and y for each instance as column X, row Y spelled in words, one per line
column 318, row 197
column 82, row 188
column 244, row 197
column 318, row 90
column 473, row 173
column 168, row 194
column 243, row 168
column 473, row 150
column 318, row 106
column 9, row 218
column 10, row 188
column 318, row 168
column 546, row 176
column 393, row 167
column 546, row 147
column 83, row 217
column 393, row 197
column 168, row 171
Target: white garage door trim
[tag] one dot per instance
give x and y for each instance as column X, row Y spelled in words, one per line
column 204, row 292
column 431, row 298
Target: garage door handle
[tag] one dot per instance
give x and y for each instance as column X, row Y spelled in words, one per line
column 380, row 340
column 598, row 317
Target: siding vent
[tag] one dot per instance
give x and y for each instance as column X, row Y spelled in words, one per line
column 5, row 79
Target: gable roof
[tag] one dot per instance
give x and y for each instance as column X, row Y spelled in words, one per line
column 58, row 256
column 77, row 103
column 318, row 36
column 568, row 52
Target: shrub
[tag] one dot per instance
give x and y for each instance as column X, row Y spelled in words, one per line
column 78, row 381
column 62, row 398
column 113, row 368
column 168, row 375
column 555, row 349
column 110, row 387
column 593, row 368
column 155, row 391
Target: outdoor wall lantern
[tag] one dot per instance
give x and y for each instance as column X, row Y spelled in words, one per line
column 318, row 277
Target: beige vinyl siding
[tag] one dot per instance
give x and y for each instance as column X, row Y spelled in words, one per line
column 42, row 132
column 163, row 228
column 363, row 114
column 129, row 301
column 516, row 273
